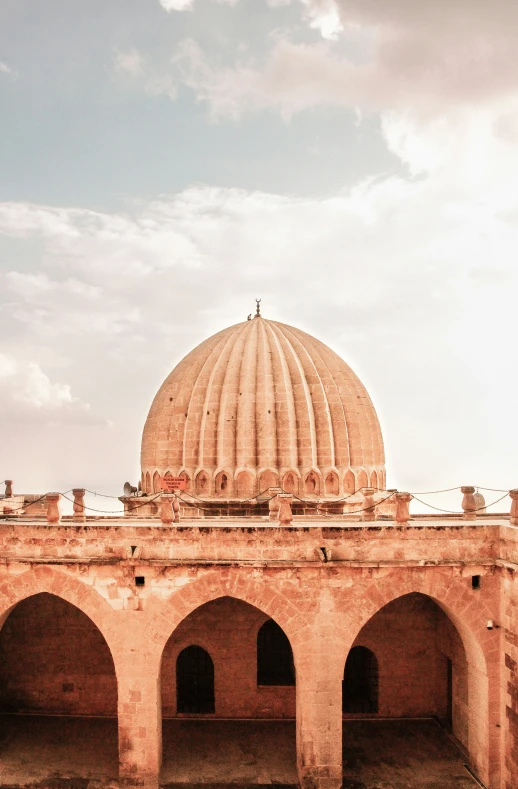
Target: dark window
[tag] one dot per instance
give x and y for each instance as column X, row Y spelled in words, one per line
column 360, row 684
column 194, row 681
column 475, row 581
column 274, row 656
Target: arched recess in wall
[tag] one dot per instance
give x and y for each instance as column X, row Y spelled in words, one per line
column 184, row 475
column 439, row 672
column 203, row 483
column 374, row 480
column 222, row 484
column 332, row 485
column 55, row 661
column 245, row 484
column 268, row 479
column 147, row 484
column 156, row 482
column 349, row 482
column 274, row 656
column 194, row 681
column 290, row 482
column 312, row 484
column 363, row 480
column 360, row 682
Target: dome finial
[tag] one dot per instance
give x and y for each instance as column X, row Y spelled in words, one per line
column 258, row 308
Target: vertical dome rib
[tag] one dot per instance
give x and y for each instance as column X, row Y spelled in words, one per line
column 227, row 417
column 246, row 456
column 322, row 412
column 261, row 395
column 287, row 444
column 303, row 403
column 266, row 420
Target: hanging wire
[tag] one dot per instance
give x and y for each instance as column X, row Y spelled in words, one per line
column 453, row 512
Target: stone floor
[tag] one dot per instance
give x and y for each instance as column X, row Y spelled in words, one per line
column 81, row 753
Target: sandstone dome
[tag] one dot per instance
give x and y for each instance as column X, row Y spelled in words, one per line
column 258, row 405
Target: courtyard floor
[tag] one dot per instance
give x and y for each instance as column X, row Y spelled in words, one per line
column 81, row 753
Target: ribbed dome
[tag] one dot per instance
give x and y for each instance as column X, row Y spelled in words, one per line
column 262, row 404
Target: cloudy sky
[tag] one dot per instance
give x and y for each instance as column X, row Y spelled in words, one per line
column 352, row 162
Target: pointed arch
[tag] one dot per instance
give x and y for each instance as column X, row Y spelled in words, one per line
column 268, row 479
column 245, row 484
column 332, row 484
column 147, row 483
column 363, row 480
column 349, row 482
column 184, row 475
column 290, row 482
column 374, row 480
column 222, row 484
column 360, row 682
column 274, row 656
column 195, row 681
column 157, row 482
column 202, row 483
column 312, row 484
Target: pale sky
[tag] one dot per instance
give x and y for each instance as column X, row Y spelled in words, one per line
column 352, row 162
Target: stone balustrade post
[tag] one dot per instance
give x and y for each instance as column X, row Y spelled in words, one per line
column 166, row 508
column 8, row 488
column 469, row 505
column 403, row 500
column 79, row 515
column 368, row 509
column 53, row 513
column 176, row 506
column 285, row 513
column 514, row 506
column 273, row 504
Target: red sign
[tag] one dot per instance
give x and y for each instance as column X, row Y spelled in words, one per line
column 170, row 484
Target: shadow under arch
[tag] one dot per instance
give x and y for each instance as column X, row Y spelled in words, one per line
column 468, row 620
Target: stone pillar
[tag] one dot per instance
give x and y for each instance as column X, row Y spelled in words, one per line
column 79, row 515
column 403, row 507
column 469, row 504
column 166, row 508
column 53, row 513
column 139, row 709
column 369, row 510
column 285, row 514
column 8, row 488
column 514, row 506
column 273, row 504
column 319, row 715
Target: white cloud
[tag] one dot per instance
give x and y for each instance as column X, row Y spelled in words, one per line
column 28, row 395
column 5, row 69
column 131, row 64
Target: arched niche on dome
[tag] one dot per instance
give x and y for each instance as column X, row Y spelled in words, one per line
column 184, row 475
column 268, row 479
column 332, row 484
column 202, row 483
column 290, row 482
column 363, row 480
column 349, row 482
column 222, row 484
column 374, row 480
column 156, row 482
column 147, row 483
column 245, row 484
column 312, row 484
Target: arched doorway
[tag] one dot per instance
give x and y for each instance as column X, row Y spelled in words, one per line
column 227, row 682
column 194, row 681
column 360, row 682
column 57, row 676
column 407, row 670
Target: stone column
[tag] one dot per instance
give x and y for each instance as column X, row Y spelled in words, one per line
column 369, row 510
column 319, row 714
column 53, row 513
column 273, row 504
column 166, row 509
column 79, row 515
column 403, row 507
column 285, row 514
column 469, row 504
column 139, row 708
column 514, row 506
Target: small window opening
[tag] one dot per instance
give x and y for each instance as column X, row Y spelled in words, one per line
column 140, row 580
column 274, row 656
column 475, row 581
